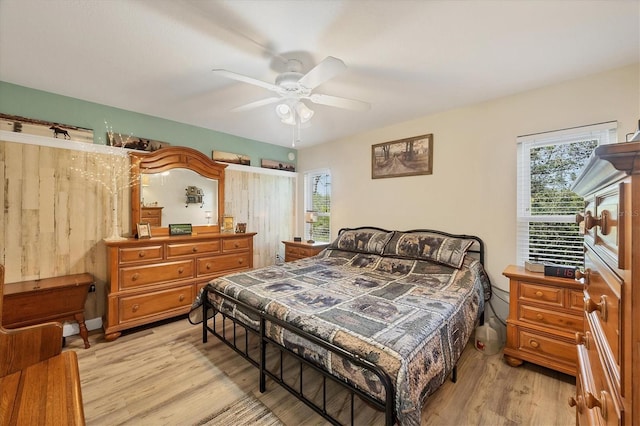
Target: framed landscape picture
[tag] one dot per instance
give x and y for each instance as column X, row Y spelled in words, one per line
column 134, row 142
column 404, row 157
column 230, row 157
column 278, row 165
column 32, row 126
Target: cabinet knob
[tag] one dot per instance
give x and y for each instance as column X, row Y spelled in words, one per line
column 539, row 293
column 579, row 218
column 534, row 343
column 591, row 306
column 539, row 317
column 135, row 276
column 142, row 253
column 236, row 245
column 604, row 222
column 576, row 402
column 194, row 249
column 591, row 401
column 240, row 261
column 180, row 270
column 181, row 298
column 135, row 308
column 586, row 275
column 583, row 339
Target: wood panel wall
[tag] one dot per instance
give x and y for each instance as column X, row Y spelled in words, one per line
column 53, row 218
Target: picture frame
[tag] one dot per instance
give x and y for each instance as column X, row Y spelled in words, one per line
column 144, row 230
column 134, row 142
column 404, row 157
column 277, row 165
column 32, row 126
column 227, row 224
column 180, row 229
column 230, row 157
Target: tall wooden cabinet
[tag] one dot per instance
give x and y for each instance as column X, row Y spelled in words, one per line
column 158, row 278
column 608, row 381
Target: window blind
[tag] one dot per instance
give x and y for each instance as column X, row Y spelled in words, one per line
column 318, row 199
column 548, row 164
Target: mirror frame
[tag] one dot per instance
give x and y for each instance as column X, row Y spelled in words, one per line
column 172, row 158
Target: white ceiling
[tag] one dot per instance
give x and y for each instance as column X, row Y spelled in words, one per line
column 407, row 58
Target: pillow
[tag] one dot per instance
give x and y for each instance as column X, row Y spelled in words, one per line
column 428, row 246
column 362, row 240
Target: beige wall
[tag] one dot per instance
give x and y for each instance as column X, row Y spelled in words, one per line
column 473, row 186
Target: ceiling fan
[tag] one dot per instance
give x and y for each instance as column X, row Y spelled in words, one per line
column 292, row 86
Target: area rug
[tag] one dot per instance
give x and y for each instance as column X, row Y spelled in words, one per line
column 247, row 411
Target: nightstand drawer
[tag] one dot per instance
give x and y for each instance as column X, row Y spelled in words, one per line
column 560, row 320
column 552, row 296
column 547, row 346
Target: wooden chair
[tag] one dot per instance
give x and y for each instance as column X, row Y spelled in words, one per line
column 39, row 384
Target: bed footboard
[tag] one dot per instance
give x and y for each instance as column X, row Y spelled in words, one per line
column 238, row 338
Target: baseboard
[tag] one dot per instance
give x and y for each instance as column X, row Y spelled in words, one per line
column 72, row 328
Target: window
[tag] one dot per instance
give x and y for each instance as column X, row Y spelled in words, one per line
column 318, row 199
column 548, row 164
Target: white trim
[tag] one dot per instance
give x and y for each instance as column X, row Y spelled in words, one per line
column 26, row 138
column 578, row 132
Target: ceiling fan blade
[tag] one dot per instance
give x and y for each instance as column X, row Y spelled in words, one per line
column 325, row 70
column 335, row 101
column 256, row 104
column 246, row 79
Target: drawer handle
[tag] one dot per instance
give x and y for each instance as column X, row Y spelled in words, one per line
column 240, row 261
column 591, row 306
column 539, row 293
column 195, row 249
column 576, row 402
column 135, row 276
column 534, row 343
column 180, row 270
column 583, row 339
column 586, row 275
column 592, row 401
column 181, row 298
column 603, row 222
column 208, row 266
column 236, row 245
column 135, row 308
column 539, row 317
column 142, row 253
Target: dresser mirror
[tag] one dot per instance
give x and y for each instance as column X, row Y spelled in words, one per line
column 176, row 185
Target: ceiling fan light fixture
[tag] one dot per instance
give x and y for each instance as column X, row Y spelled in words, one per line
column 304, row 112
column 284, row 111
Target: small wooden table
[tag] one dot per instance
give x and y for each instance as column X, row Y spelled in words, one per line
column 294, row 250
column 50, row 299
column 44, row 393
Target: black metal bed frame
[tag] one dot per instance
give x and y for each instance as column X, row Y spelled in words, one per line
column 242, row 348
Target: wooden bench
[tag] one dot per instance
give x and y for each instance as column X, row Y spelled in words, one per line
column 39, row 384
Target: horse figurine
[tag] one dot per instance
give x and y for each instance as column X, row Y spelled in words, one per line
column 57, row 130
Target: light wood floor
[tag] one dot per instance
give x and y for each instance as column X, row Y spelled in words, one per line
column 165, row 375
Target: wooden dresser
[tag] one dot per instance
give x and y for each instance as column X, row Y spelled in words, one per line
column 158, row 278
column 151, row 215
column 608, row 383
column 294, row 250
column 544, row 315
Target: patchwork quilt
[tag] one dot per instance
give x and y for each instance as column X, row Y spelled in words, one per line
column 410, row 316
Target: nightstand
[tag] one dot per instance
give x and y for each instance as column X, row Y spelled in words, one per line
column 299, row 250
column 544, row 315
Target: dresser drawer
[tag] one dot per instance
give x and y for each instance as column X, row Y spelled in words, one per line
column 552, row 296
column 560, row 320
column 137, row 276
column 602, row 301
column 224, row 263
column 547, row 346
column 139, row 254
column 176, row 250
column 235, row 244
column 157, row 302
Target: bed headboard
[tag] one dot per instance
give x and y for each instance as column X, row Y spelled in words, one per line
column 477, row 247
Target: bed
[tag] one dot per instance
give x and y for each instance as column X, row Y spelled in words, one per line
column 386, row 314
